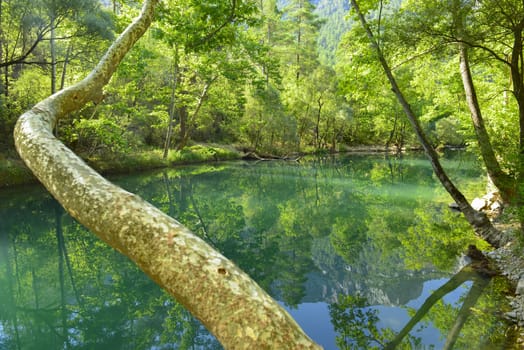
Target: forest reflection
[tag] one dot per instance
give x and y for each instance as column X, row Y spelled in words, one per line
column 353, row 232
column 357, row 323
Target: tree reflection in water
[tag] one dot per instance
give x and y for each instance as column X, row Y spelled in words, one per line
column 367, row 226
column 357, row 323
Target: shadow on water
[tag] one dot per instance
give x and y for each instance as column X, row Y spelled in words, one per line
column 351, row 246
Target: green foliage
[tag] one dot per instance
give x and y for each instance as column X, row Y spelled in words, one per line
column 14, row 172
column 31, row 86
column 201, row 153
column 150, row 159
column 128, row 162
column 419, row 41
column 265, row 126
column 258, row 75
column 443, row 235
column 376, row 115
column 98, row 136
column 28, row 89
column 355, row 323
column 246, row 73
column 335, row 24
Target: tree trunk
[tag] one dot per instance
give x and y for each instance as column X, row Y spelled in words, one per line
column 476, row 290
column 52, row 45
column 167, row 183
column 392, row 132
column 61, row 273
column 317, row 125
column 66, row 63
column 501, row 180
column 231, row 305
column 517, row 78
column 172, row 107
column 10, row 313
column 115, row 7
column 515, row 62
column 182, row 115
column 479, row 221
column 6, row 69
column 184, row 126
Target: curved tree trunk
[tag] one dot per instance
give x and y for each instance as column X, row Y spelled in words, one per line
column 231, row 305
column 478, row 221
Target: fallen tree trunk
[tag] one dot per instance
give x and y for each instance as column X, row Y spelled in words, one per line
column 229, row 303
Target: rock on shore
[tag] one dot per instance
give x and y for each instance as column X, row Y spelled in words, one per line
column 512, row 266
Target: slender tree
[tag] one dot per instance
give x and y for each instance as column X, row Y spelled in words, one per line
column 477, row 220
column 494, row 31
column 500, row 179
column 172, row 104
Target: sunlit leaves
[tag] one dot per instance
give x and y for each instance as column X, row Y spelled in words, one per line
column 203, row 25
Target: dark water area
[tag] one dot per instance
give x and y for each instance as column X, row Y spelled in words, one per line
column 362, row 250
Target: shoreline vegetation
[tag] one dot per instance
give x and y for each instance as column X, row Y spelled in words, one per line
column 13, row 171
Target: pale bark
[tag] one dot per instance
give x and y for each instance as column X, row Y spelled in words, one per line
column 231, row 305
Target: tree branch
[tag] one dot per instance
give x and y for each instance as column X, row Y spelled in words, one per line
column 228, row 20
column 23, row 57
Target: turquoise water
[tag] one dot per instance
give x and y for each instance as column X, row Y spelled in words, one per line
column 352, row 246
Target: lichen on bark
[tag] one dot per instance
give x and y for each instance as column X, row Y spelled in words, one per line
column 227, row 301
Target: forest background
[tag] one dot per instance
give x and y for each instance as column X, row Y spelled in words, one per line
column 244, row 74
column 272, row 77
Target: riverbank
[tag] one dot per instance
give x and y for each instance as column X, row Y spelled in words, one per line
column 508, row 259
column 510, row 262
column 13, row 171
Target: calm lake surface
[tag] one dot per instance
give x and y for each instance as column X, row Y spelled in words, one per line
column 352, row 246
